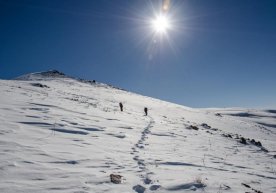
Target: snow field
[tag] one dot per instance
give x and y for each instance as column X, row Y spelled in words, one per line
column 70, row 136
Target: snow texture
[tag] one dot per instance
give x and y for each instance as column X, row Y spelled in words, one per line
column 67, row 135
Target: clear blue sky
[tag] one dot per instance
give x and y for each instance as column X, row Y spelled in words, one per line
column 219, row 53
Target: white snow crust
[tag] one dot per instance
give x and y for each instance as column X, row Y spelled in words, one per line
column 64, row 135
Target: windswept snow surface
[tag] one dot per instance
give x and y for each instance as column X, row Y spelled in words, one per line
column 59, row 134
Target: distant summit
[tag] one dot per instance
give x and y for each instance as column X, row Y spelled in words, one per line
column 42, row 75
column 55, row 74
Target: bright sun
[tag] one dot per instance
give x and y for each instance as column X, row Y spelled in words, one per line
column 161, row 24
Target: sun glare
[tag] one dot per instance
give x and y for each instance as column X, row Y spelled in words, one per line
column 161, row 24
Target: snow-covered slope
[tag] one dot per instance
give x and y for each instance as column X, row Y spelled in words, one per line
column 59, row 134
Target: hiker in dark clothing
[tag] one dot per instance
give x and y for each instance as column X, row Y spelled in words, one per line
column 121, row 106
column 146, row 111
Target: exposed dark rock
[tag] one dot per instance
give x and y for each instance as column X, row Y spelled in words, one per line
column 116, row 179
column 218, row 114
column 243, row 140
column 88, row 81
column 258, row 144
column 209, row 132
column 227, row 135
column 52, row 74
column 39, row 85
column 57, row 72
column 193, row 127
column 264, row 149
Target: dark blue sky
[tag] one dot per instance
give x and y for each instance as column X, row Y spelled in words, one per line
column 218, row 54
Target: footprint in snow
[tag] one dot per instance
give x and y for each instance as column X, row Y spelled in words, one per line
column 139, row 189
column 189, row 186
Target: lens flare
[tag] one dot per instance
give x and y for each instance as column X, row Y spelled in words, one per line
column 165, row 5
column 161, row 24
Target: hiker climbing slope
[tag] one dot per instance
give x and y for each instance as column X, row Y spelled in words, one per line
column 121, row 106
column 146, row 111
